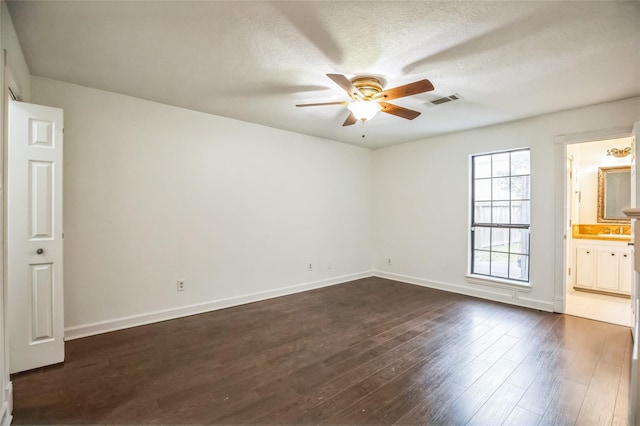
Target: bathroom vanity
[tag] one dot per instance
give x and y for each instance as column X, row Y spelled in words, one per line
column 603, row 265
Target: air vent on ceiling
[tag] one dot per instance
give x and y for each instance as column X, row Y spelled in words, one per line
column 446, row 99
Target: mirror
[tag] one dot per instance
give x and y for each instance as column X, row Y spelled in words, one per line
column 614, row 193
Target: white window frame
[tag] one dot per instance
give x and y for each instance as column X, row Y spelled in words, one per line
column 492, row 280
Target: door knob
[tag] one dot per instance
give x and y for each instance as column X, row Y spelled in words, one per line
column 39, row 251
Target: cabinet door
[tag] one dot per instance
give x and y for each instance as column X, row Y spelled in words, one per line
column 585, row 267
column 626, row 271
column 607, row 269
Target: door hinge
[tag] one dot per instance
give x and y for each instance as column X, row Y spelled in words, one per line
column 569, row 271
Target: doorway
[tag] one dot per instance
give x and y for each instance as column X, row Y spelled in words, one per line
column 599, row 257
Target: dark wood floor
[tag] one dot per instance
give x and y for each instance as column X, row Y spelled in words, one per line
column 372, row 351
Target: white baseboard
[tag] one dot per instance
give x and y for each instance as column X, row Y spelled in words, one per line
column 558, row 305
column 489, row 293
column 91, row 329
column 7, row 406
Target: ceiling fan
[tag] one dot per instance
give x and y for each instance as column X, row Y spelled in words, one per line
column 367, row 97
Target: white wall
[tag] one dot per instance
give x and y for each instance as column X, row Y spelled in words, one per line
column 589, row 157
column 15, row 59
column 421, row 200
column 154, row 193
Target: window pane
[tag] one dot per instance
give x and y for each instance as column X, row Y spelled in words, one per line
column 482, row 238
column 482, row 212
column 519, row 267
column 520, row 188
column 500, row 265
column 501, row 164
column 482, row 166
column 519, row 241
column 520, row 212
column 501, row 188
column 500, row 239
column 482, row 190
column 500, row 212
column 480, row 262
column 520, row 162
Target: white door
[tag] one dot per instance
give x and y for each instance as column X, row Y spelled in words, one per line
column 34, row 236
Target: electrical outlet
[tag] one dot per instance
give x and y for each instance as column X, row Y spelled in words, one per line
column 181, row 286
column 310, row 267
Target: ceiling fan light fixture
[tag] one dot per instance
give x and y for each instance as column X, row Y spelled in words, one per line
column 364, row 110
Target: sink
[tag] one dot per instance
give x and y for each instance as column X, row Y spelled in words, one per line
column 621, row 236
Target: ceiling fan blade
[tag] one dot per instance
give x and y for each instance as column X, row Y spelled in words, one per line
column 346, row 84
column 406, row 90
column 323, row 103
column 399, row 111
column 351, row 119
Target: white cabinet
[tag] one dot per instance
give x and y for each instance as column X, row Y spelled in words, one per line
column 607, row 267
column 626, row 278
column 585, row 268
column 603, row 265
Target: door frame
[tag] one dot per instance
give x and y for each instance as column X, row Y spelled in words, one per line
column 561, row 243
column 11, row 89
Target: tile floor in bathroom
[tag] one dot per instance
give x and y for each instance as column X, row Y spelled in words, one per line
column 611, row 309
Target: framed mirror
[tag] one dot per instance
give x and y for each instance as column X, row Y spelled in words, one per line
column 614, row 193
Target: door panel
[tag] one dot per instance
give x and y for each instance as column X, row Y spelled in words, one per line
column 42, row 302
column 41, row 200
column 34, row 236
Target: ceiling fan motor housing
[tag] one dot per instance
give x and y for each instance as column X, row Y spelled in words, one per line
column 368, row 86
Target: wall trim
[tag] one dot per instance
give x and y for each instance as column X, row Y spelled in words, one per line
column 595, row 135
column 559, row 305
column 7, row 406
column 5, row 417
column 482, row 293
column 90, row 329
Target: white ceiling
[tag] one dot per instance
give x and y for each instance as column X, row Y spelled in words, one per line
column 254, row 61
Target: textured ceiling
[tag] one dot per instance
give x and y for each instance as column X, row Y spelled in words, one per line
column 254, row 61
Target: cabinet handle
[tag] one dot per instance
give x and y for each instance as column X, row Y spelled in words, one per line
column 624, row 255
column 588, row 252
column 613, row 254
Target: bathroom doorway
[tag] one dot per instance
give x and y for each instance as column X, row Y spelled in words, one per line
column 599, row 256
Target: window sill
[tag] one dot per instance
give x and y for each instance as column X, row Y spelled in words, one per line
column 498, row 282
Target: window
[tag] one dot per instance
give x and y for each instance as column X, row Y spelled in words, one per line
column 500, row 219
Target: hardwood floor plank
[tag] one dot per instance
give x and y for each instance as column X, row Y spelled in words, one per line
column 565, row 404
column 476, row 368
column 621, row 411
column 498, row 407
column 521, row 417
column 463, row 408
column 372, row 351
column 547, row 383
column 599, row 403
column 581, row 368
